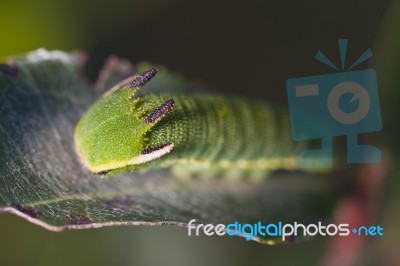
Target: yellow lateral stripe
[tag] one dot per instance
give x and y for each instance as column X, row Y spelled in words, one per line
column 261, row 164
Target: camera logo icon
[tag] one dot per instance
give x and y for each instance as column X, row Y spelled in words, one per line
column 338, row 104
column 358, row 92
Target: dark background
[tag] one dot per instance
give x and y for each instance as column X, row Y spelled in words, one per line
column 245, row 47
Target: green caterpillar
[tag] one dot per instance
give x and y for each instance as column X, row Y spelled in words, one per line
column 197, row 133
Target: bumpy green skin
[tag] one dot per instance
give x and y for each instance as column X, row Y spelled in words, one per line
column 111, row 130
column 224, row 134
column 211, row 134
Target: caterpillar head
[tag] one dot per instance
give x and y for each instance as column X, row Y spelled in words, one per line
column 114, row 134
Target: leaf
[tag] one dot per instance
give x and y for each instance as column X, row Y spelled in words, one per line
column 42, row 97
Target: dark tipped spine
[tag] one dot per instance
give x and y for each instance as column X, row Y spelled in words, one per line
column 150, row 150
column 161, row 111
column 143, row 78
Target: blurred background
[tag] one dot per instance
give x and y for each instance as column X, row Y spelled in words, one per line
column 246, row 47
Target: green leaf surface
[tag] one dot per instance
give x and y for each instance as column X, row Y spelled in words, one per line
column 43, row 95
